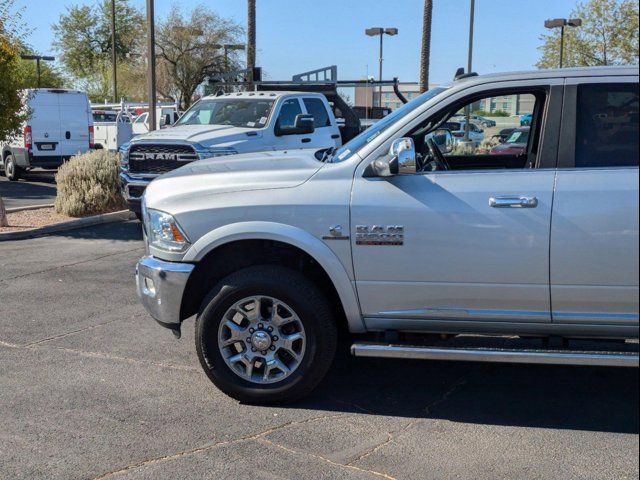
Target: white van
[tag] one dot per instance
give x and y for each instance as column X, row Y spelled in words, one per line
column 59, row 126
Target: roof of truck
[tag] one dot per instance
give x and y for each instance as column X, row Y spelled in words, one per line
column 553, row 73
column 261, row 94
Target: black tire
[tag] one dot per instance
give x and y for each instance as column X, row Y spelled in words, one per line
column 310, row 306
column 11, row 170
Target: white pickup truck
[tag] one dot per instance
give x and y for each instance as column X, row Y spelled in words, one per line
column 408, row 249
column 111, row 128
column 227, row 125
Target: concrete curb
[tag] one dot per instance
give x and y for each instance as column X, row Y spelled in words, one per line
column 28, row 207
column 120, row 216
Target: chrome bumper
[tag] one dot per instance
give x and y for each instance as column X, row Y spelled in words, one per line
column 127, row 181
column 160, row 287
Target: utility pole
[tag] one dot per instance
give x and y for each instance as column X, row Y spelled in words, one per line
column 113, row 51
column 151, row 65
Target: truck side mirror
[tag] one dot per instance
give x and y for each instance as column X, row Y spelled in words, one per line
column 302, row 125
column 443, row 138
column 166, row 120
column 401, row 159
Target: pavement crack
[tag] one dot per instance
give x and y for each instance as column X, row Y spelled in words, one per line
column 206, row 448
column 445, row 396
column 62, row 335
column 58, row 267
column 394, row 434
column 325, row 459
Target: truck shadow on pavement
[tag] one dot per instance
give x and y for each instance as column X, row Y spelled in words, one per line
column 44, row 188
column 538, row 396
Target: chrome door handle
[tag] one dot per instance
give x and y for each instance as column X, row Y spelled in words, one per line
column 513, row 202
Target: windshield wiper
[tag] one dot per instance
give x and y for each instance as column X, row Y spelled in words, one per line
column 327, row 154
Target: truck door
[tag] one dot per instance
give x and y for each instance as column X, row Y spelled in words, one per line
column 74, row 123
column 467, row 243
column 325, row 134
column 286, row 117
column 45, row 123
column 594, row 232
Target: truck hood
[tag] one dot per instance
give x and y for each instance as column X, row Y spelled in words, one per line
column 232, row 173
column 207, row 135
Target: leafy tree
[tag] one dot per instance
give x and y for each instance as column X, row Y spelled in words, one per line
column 11, row 112
column 190, row 49
column 83, row 37
column 608, row 36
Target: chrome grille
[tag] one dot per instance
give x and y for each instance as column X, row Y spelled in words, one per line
column 159, row 158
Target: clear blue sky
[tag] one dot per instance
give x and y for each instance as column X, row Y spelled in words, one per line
column 298, row 35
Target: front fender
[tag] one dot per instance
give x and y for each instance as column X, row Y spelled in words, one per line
column 296, row 237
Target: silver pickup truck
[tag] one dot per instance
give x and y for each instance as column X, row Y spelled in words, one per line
column 407, row 246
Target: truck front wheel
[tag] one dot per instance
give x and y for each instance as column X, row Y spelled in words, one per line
column 11, row 170
column 266, row 335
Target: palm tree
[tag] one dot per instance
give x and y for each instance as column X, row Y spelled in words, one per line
column 425, row 51
column 251, row 39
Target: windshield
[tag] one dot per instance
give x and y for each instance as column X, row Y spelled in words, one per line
column 238, row 112
column 380, row 126
column 518, row 137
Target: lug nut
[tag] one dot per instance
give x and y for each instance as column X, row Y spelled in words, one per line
column 263, row 352
column 253, row 349
column 275, row 339
column 272, row 348
column 248, row 339
column 260, row 326
column 270, row 329
column 251, row 330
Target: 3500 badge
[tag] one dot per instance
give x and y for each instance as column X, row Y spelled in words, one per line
column 379, row 235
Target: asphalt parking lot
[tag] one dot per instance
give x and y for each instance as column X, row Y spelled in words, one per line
column 36, row 188
column 91, row 387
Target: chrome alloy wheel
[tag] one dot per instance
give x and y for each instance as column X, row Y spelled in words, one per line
column 261, row 339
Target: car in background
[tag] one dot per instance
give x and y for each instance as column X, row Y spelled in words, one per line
column 504, row 134
column 60, row 125
column 457, row 128
column 526, row 119
column 516, row 144
column 484, row 121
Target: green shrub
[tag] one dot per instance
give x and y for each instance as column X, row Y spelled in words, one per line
column 88, row 184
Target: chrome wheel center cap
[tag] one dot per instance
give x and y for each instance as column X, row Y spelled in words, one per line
column 261, row 340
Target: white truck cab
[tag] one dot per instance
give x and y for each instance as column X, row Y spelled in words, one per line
column 59, row 125
column 417, row 250
column 228, row 125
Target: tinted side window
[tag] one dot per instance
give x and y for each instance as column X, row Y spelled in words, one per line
column 316, row 107
column 290, row 108
column 607, row 125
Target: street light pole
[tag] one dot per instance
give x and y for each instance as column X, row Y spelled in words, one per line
column 113, row 51
column 467, row 109
column 561, row 23
column 372, row 32
column 151, row 65
column 37, row 58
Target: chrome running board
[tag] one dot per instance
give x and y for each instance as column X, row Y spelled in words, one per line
column 553, row 357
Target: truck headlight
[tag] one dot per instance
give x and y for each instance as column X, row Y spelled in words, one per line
column 209, row 152
column 124, row 156
column 163, row 232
